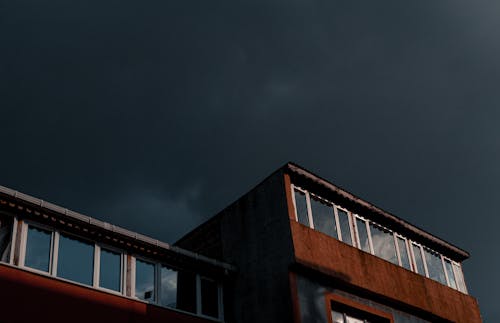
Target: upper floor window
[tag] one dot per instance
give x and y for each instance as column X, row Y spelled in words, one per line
column 335, row 221
column 38, row 249
column 75, row 260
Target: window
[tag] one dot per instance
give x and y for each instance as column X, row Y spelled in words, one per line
column 301, row 207
column 383, row 243
column 323, row 217
column 38, row 249
column 316, row 213
column 345, row 227
column 6, row 228
column 459, row 278
column 419, row 263
column 110, row 270
column 346, row 310
column 449, row 273
column 209, row 298
column 75, row 260
column 144, row 280
column 403, row 253
column 186, row 292
column 434, row 266
column 168, row 287
column 364, row 242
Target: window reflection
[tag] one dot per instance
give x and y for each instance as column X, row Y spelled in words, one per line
column 459, row 278
column 383, row 243
column 144, row 280
column 403, row 253
column 6, row 224
column 323, row 217
column 110, row 270
column 75, row 260
column 363, row 235
column 434, row 266
column 419, row 263
column 168, row 293
column 38, row 249
column 344, row 226
column 301, row 207
column 449, row 272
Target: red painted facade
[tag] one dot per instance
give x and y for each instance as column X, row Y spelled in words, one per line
column 29, row 297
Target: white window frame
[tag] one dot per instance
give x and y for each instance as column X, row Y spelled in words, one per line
column 13, row 237
column 97, row 267
column 54, row 248
column 368, row 232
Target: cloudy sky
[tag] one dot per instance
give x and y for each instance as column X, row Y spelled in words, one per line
column 155, row 115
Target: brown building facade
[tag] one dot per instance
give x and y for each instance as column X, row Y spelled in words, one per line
column 295, row 248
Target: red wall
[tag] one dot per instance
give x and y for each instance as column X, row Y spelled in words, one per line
column 28, row 297
column 355, row 267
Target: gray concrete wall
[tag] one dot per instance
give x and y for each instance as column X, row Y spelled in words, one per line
column 254, row 235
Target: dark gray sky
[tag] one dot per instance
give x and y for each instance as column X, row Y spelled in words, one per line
column 153, row 115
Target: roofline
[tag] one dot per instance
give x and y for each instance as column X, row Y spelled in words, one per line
column 127, row 234
column 300, row 171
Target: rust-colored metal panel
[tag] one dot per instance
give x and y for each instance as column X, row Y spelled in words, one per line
column 366, row 272
column 289, row 201
column 28, row 297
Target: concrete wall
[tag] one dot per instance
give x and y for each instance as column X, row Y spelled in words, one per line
column 28, row 297
column 379, row 278
column 255, row 236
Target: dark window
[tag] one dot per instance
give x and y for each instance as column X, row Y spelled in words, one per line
column 6, row 224
column 301, row 206
column 110, row 270
column 75, row 260
column 209, row 298
column 323, row 217
column 186, row 291
column 38, row 245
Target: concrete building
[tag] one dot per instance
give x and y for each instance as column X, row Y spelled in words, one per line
column 295, row 248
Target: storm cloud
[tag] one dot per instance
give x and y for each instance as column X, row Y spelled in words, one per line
column 155, row 115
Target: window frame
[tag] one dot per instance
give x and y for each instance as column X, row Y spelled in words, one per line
column 13, row 237
column 331, row 299
column 97, row 268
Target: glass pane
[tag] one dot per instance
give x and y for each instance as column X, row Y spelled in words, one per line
column 403, row 253
column 168, row 289
column 363, row 235
column 459, row 278
column 337, row 317
column 435, row 266
column 110, row 271
column 75, row 260
column 144, row 280
column 383, row 243
column 6, row 224
column 449, row 272
column 301, row 205
column 323, row 217
column 209, row 298
column 418, row 259
column 186, row 291
column 344, row 226
column 38, row 249
column 351, row 319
